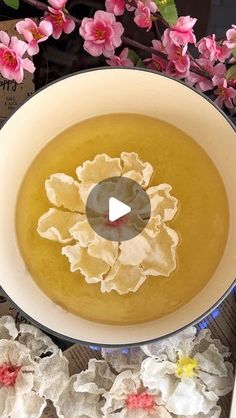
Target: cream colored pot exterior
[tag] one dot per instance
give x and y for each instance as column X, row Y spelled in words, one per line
column 83, row 96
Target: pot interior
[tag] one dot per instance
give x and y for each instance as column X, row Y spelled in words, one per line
column 80, row 97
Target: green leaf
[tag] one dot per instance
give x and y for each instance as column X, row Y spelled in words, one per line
column 133, row 56
column 140, row 63
column 168, row 10
column 14, row 4
column 234, row 52
column 231, row 73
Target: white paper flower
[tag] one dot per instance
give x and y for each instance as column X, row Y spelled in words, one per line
column 36, row 341
column 122, row 266
column 28, row 380
column 18, row 373
column 8, row 330
column 124, row 359
column 190, row 372
column 128, row 398
column 82, row 396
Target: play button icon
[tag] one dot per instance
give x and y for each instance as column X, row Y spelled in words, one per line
column 118, row 208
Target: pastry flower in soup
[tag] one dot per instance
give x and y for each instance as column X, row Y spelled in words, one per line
column 122, row 266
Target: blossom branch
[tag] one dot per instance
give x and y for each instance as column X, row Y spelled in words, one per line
column 213, row 69
column 129, row 42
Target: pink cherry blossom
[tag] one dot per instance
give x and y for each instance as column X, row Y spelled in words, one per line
column 34, row 34
column 60, row 23
column 182, row 32
column 157, row 63
column 117, row 7
column 202, row 82
column 225, row 95
column 177, row 55
column 129, row 5
column 12, row 65
column 58, row 4
column 231, row 38
column 173, row 72
column 121, row 60
column 209, row 48
column 102, row 34
column 143, row 16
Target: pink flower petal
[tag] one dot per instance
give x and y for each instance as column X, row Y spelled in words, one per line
column 28, row 65
column 11, row 74
column 117, row 7
column 68, row 26
column 45, row 27
column 57, row 4
column 33, row 48
column 4, row 38
column 93, row 49
column 106, row 17
column 20, row 47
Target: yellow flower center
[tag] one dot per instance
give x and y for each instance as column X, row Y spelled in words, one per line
column 221, row 91
column 58, row 20
column 36, row 34
column 186, row 367
column 9, row 58
column 100, row 34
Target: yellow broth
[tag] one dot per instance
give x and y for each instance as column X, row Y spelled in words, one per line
column 201, row 222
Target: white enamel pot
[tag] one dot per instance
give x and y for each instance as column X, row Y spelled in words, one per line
column 82, row 96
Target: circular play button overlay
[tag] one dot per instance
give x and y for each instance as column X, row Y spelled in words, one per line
column 118, row 209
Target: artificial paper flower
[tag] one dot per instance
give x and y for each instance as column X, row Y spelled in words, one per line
column 128, row 398
column 12, row 61
column 177, row 54
column 143, row 14
column 116, row 266
column 182, row 32
column 101, row 34
column 82, row 396
column 231, row 37
column 26, row 379
column 34, row 34
column 59, row 21
column 190, row 372
column 121, row 60
column 210, row 49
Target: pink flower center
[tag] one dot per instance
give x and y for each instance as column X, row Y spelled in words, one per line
column 9, row 58
column 221, row 91
column 179, row 52
column 116, row 223
column 8, row 374
column 158, row 64
column 141, row 401
column 36, row 34
column 58, row 20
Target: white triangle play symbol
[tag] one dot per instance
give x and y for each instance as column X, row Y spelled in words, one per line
column 117, row 209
